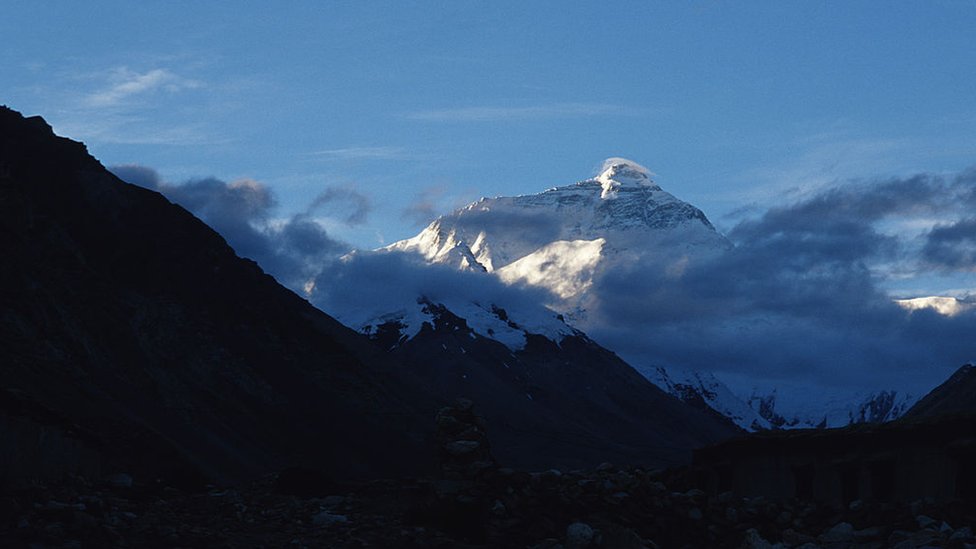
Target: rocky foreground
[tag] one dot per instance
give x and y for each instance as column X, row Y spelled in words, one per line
column 609, row 507
column 476, row 503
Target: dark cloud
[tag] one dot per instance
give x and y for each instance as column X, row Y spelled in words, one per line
column 385, row 282
column 953, row 246
column 355, row 207
column 799, row 297
column 424, row 207
column 293, row 250
column 138, row 175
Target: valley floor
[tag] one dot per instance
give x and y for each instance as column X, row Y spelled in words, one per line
column 606, row 507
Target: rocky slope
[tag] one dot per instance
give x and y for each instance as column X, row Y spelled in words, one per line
column 957, row 396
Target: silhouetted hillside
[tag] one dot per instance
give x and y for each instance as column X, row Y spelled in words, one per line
column 132, row 337
column 957, row 396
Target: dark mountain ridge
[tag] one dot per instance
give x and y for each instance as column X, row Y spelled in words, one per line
column 124, row 314
column 955, row 396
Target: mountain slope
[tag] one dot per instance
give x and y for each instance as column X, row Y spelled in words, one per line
column 557, row 400
column 133, row 336
column 957, row 396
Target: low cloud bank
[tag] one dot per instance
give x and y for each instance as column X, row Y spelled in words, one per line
column 800, row 297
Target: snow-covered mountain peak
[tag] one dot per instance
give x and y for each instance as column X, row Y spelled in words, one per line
column 620, row 172
column 564, row 237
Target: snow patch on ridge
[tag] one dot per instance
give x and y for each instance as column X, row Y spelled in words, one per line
column 792, row 406
column 564, row 267
column 703, row 388
column 488, row 321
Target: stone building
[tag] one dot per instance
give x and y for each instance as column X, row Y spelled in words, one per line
column 899, row 461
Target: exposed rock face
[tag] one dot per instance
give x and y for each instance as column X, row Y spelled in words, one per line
column 131, row 334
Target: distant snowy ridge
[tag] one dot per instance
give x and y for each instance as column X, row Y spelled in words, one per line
column 703, row 388
column 794, row 407
column 485, row 319
column 784, row 407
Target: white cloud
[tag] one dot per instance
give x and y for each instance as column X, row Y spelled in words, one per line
column 126, row 84
column 126, row 128
column 495, row 113
column 364, row 153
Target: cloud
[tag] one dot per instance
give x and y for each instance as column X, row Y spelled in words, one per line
column 364, row 153
column 536, row 112
column 357, row 205
column 424, row 207
column 294, row 250
column 122, row 106
column 953, row 246
column 363, row 286
column 126, row 84
column 800, row 298
column 299, row 253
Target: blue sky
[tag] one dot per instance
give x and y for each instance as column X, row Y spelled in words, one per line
column 419, row 109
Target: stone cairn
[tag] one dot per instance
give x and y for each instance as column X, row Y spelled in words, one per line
column 463, row 447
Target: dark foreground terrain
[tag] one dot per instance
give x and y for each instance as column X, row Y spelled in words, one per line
column 472, row 503
column 608, row 507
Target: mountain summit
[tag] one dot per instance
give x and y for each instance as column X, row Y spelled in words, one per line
column 620, row 172
column 560, row 239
